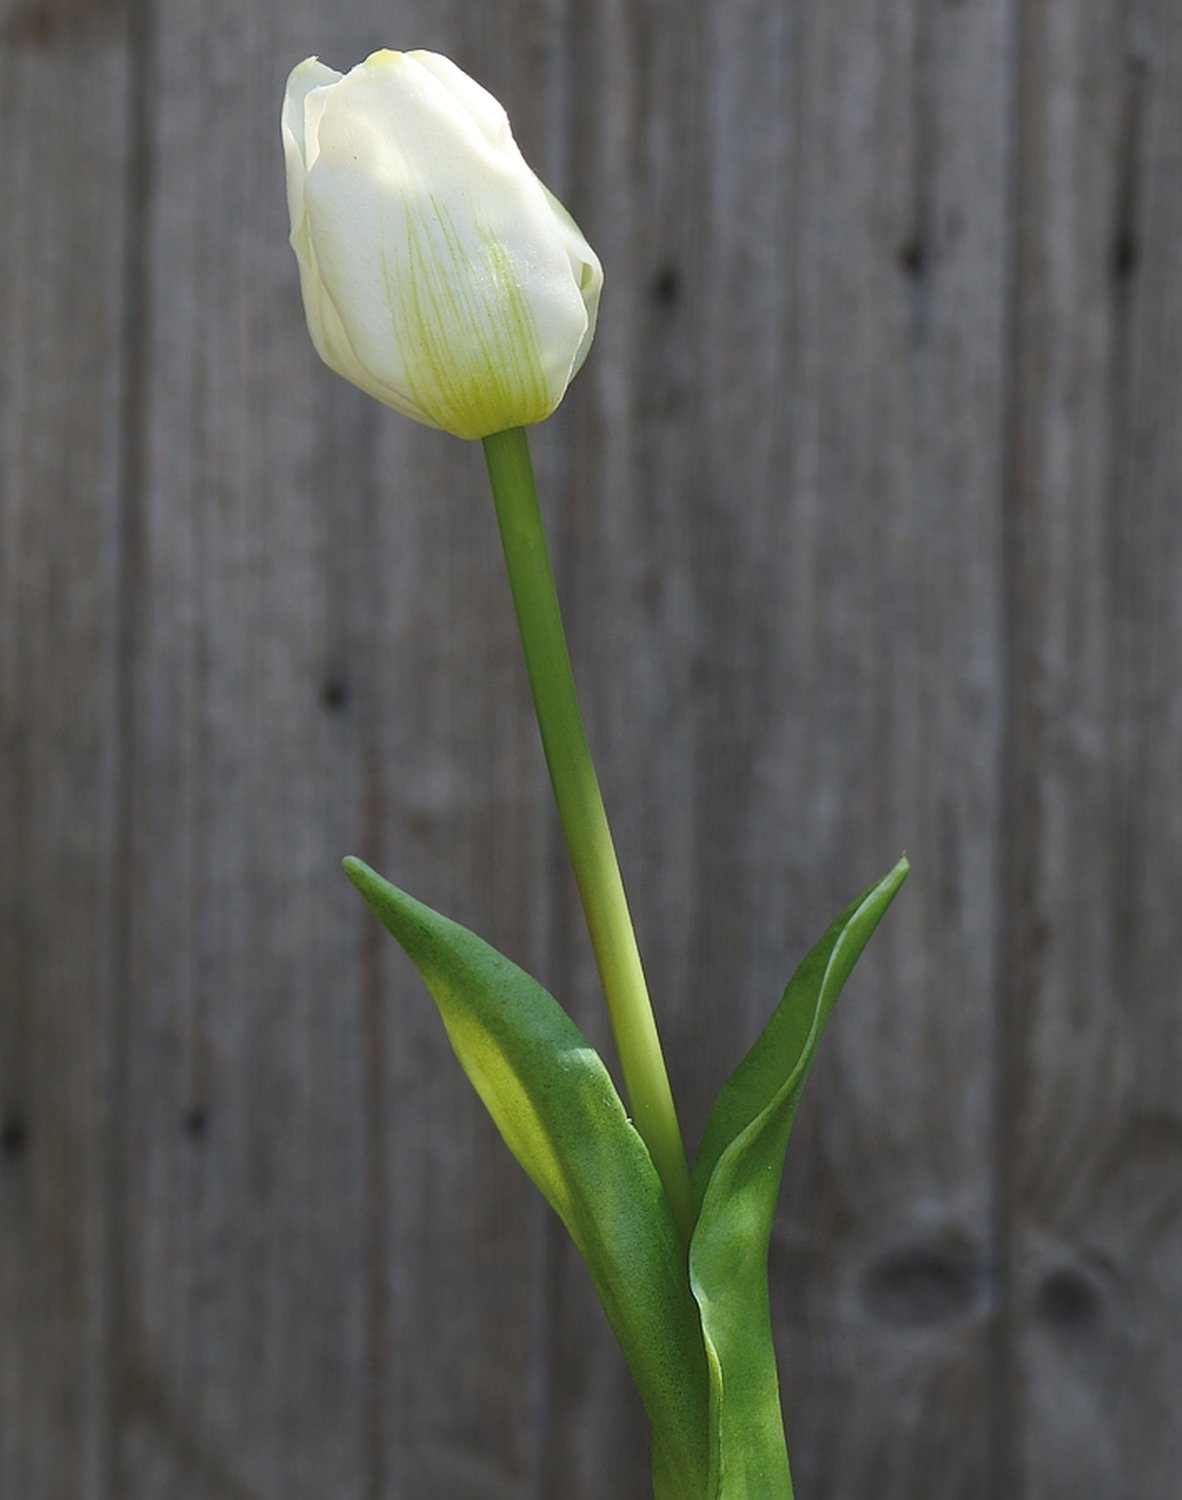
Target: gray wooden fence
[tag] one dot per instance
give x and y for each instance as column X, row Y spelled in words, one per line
column 868, row 514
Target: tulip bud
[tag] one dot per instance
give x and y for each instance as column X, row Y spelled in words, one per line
column 438, row 274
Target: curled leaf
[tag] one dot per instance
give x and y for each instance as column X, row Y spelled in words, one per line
column 736, row 1181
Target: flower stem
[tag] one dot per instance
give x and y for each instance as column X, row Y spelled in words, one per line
column 583, row 818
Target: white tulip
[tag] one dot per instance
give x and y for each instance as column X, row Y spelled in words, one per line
column 438, row 274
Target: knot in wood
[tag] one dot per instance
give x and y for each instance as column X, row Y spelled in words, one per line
column 924, row 1282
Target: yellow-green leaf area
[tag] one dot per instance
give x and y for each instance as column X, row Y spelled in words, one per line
column 557, row 1109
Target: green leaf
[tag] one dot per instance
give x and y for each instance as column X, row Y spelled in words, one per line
column 557, row 1109
column 736, row 1181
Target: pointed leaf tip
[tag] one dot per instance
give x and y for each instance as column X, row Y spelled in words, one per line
column 557, row 1109
column 736, row 1180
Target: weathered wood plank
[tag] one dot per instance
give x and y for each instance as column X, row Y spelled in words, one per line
column 1096, row 1256
column 64, row 117
column 335, row 1265
column 867, row 514
column 786, row 577
column 873, row 717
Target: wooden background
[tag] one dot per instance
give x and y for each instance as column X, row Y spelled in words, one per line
column 868, row 515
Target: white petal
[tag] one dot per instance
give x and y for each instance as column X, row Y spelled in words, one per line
column 303, row 80
column 440, row 253
column 306, row 76
column 488, row 112
column 586, row 270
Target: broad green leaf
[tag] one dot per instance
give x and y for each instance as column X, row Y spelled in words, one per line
column 736, row 1181
column 557, row 1109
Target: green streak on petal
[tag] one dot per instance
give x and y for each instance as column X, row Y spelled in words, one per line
column 468, row 338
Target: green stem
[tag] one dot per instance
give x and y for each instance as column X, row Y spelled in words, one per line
column 583, row 818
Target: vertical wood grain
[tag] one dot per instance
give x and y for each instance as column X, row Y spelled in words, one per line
column 65, row 105
column 786, row 583
column 892, row 610
column 1096, row 1252
column 867, row 517
column 335, row 1267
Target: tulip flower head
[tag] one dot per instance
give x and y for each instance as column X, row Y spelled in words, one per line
column 437, row 272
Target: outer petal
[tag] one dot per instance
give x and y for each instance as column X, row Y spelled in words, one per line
column 302, row 103
column 586, row 270
column 303, row 78
column 492, row 119
column 309, row 75
column 487, row 111
column 438, row 250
